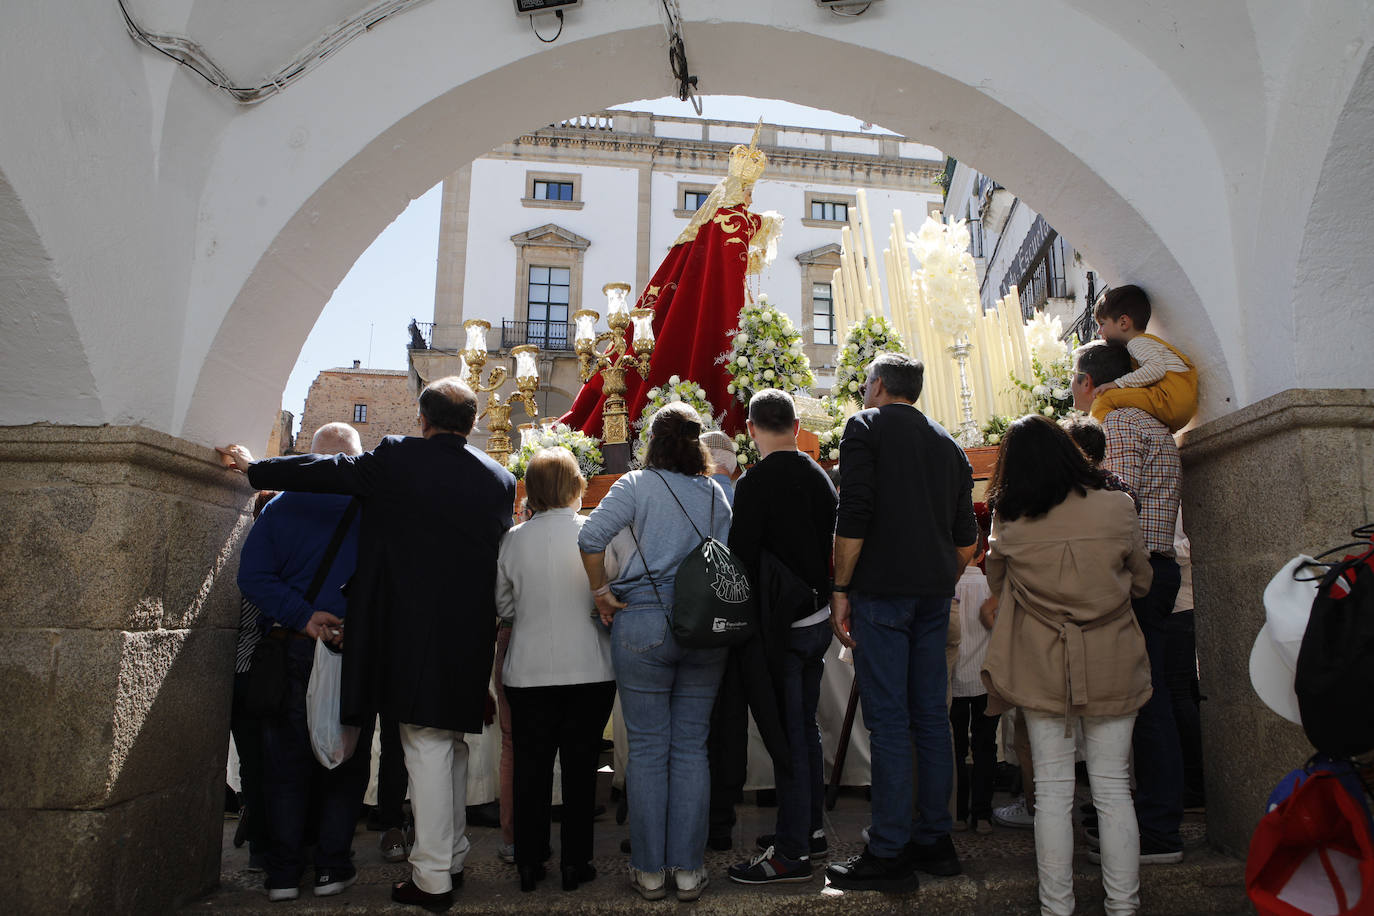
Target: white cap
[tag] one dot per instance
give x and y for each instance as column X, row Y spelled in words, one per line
column 1274, row 658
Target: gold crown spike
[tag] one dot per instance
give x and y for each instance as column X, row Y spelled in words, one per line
column 748, row 162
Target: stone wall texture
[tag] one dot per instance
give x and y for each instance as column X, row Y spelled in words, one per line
column 118, row 616
column 387, row 394
column 1291, row 474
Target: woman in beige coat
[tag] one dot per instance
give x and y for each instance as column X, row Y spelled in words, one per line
column 1065, row 558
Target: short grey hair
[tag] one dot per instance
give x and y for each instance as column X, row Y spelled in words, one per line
column 336, row 439
column 902, row 376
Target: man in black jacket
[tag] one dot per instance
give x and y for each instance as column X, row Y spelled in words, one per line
column 781, row 532
column 421, row 608
column 904, row 533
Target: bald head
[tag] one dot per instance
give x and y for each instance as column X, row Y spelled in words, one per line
column 449, row 405
column 336, row 439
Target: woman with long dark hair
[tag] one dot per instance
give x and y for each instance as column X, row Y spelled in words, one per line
column 666, row 691
column 1065, row 558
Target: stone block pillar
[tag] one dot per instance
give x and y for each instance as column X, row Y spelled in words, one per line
column 118, row 612
column 1291, row 474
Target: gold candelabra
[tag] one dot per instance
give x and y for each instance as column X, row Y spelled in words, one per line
column 614, row 361
column 497, row 411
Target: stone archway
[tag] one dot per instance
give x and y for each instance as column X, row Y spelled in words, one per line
column 174, row 252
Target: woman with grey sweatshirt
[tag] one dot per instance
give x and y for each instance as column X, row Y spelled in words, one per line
column 666, row 691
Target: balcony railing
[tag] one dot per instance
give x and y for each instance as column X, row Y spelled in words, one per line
column 546, row 335
column 421, row 335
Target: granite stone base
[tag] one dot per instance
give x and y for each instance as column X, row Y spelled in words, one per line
column 118, row 612
column 1291, row 474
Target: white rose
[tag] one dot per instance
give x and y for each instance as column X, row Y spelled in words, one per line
column 730, row 389
column 674, row 380
column 1047, row 411
column 1061, row 394
column 654, row 393
column 853, row 386
column 1041, row 391
column 766, row 317
column 852, row 347
column 673, row 398
column 768, row 374
column 742, row 361
column 994, row 439
column 741, row 339
column 834, row 454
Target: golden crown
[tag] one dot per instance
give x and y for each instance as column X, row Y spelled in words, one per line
column 748, row 162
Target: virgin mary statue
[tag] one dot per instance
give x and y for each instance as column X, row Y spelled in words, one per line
column 696, row 294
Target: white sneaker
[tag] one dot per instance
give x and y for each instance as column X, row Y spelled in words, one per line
column 864, row 833
column 277, row 894
column 690, row 883
column 1014, row 815
column 506, row 853
column 649, row 883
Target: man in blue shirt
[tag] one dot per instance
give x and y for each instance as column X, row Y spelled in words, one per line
column 281, row 556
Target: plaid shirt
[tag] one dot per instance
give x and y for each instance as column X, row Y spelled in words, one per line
column 1142, row 453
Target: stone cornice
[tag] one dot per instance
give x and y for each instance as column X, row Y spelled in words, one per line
column 72, row 450
column 1286, row 412
column 784, row 163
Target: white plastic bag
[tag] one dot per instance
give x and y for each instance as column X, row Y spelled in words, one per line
column 332, row 741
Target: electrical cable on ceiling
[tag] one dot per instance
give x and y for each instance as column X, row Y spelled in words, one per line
column 535, row 29
column 677, row 55
column 193, row 57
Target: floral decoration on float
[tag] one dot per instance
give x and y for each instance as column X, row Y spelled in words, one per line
column 677, row 389
column 585, row 449
column 865, row 340
column 766, row 351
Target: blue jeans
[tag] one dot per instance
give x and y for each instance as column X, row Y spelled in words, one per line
column 296, row 785
column 802, row 789
column 1158, row 756
column 666, row 695
column 899, row 661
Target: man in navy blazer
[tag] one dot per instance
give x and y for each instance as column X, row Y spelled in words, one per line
column 421, row 608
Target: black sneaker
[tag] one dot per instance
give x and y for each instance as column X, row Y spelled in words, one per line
column 938, row 858
column 819, row 847
column 867, row 872
column 331, row 881
column 769, row 867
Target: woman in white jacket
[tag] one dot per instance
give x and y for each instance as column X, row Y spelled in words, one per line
column 558, row 675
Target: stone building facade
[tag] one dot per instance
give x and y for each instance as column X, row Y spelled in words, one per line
column 376, row 402
column 530, row 232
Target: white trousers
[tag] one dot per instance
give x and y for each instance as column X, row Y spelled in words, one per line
column 437, row 768
column 1107, row 746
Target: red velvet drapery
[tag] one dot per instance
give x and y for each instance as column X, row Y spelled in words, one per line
column 696, row 293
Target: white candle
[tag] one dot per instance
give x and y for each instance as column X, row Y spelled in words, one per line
column 617, row 296
column 644, row 326
column 476, row 334
column 585, row 321
column 525, row 365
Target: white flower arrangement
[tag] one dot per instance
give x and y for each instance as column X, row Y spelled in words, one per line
column 865, row 340
column 585, row 449
column 1044, row 338
column 765, row 352
column 676, row 389
column 1048, row 391
column 746, row 451
column 946, row 285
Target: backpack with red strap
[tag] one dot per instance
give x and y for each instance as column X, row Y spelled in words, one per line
column 1313, row 852
column 1334, row 682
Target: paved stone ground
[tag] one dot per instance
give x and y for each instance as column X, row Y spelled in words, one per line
column 999, row 877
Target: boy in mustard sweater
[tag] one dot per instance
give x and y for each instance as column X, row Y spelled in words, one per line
column 1165, row 384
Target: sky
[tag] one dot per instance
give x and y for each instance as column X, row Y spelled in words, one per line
column 393, row 280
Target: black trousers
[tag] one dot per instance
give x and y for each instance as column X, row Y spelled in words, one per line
column 567, row 721
column 973, row 796
column 391, row 777
column 1181, row 673
column 247, row 732
column 727, row 748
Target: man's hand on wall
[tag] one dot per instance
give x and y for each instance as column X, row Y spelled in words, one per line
column 235, row 457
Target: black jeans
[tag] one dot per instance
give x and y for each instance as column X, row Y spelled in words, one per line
column 1181, row 673
column 292, row 778
column 727, row 747
column 391, row 777
column 1158, row 759
column 802, row 790
column 967, row 714
column 566, row 720
column 247, row 732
